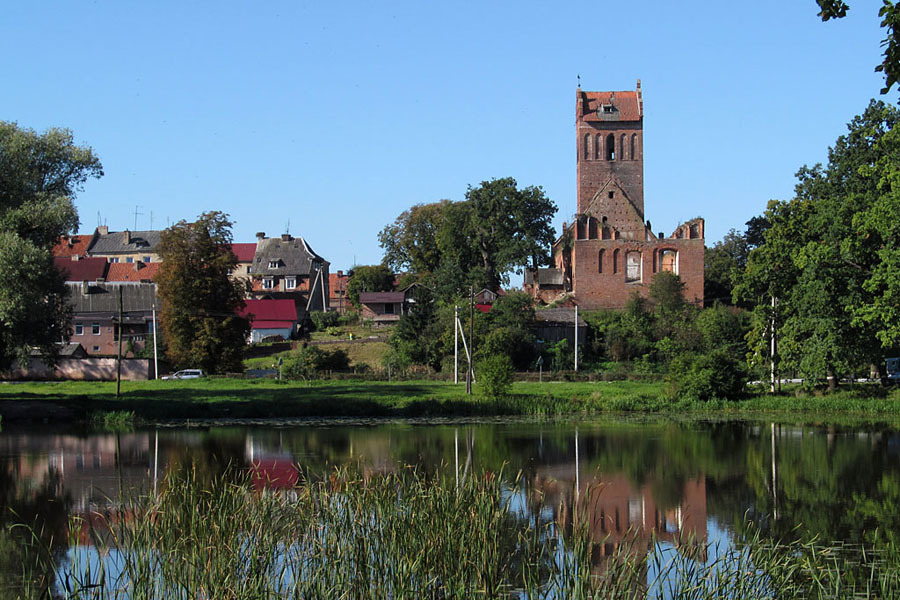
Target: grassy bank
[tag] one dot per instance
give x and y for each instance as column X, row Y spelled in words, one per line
column 404, row 535
column 255, row 399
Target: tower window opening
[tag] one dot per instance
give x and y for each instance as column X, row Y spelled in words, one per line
column 610, row 147
column 633, row 145
column 622, row 148
column 587, row 146
column 597, row 145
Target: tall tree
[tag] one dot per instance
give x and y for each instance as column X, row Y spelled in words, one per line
column 820, row 254
column 40, row 174
column 410, row 242
column 199, row 298
column 509, row 227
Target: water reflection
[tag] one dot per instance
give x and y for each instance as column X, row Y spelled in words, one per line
column 627, row 483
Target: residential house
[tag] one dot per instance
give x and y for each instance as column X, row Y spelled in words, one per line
column 244, row 252
column 382, row 307
column 95, row 319
column 286, row 267
column 73, row 245
column 125, row 246
column 136, row 272
column 79, row 268
column 269, row 318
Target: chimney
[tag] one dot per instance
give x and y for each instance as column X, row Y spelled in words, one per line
column 76, row 257
column 103, row 230
column 260, row 235
column 286, row 237
column 127, row 235
column 340, row 273
column 85, row 288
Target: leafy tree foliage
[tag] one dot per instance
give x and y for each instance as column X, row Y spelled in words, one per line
column 498, row 229
column 40, row 174
column 890, row 19
column 199, row 300
column 824, row 256
column 369, row 278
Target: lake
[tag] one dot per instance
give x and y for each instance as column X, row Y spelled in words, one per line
column 633, row 478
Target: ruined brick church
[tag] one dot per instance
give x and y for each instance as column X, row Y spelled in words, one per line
column 609, row 250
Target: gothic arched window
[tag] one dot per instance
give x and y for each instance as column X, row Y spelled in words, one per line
column 633, row 266
column 610, row 147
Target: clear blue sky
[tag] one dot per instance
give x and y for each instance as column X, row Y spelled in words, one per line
column 331, row 118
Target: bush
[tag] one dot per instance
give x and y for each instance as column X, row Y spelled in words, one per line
column 495, row 376
column 334, row 331
column 322, row 320
column 707, row 376
column 308, row 362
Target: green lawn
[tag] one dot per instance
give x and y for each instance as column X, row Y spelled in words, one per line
column 248, row 399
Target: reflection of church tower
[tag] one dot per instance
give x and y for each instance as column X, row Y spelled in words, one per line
column 610, row 162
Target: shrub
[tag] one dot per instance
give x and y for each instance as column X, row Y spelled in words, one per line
column 334, row 331
column 322, row 320
column 309, row 361
column 495, row 376
column 707, row 376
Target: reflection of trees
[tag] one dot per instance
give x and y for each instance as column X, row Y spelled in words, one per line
column 836, row 486
column 33, row 520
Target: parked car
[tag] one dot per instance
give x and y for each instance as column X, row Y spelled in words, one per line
column 186, row 374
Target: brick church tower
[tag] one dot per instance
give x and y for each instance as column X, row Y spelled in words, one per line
column 609, row 250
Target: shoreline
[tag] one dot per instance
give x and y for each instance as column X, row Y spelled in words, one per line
column 224, row 401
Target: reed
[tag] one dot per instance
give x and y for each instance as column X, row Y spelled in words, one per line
column 407, row 534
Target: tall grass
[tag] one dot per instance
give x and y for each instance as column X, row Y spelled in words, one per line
column 408, row 535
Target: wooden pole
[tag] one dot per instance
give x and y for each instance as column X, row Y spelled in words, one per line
column 119, row 355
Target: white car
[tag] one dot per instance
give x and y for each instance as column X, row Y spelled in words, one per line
column 186, row 374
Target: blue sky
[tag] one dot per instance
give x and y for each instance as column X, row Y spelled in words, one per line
column 328, row 120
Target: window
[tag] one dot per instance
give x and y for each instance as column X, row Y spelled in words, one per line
column 610, row 147
column 290, row 283
column 95, row 328
column 114, row 259
column 616, row 261
column 633, row 145
column 622, row 147
column 587, row 146
column 79, row 329
column 129, row 259
column 388, row 309
column 600, row 261
column 597, row 146
column 145, row 259
column 274, row 264
column 249, row 269
column 611, row 194
column 669, row 261
column 268, row 283
column 633, row 266
column 96, row 349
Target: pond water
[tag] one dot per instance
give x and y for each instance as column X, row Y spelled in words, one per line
column 662, row 478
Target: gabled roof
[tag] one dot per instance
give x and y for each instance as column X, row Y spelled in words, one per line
column 244, row 251
column 269, row 310
column 381, row 297
column 83, row 269
column 115, row 243
column 136, row 271
column 104, row 297
column 557, row 316
column 293, row 256
column 72, row 245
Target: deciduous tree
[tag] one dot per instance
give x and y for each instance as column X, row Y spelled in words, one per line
column 199, row 300
column 40, row 174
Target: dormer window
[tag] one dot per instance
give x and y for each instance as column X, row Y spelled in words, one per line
column 274, row 264
column 608, row 109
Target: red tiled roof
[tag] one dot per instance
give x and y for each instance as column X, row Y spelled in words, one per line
column 83, row 269
column 269, row 310
column 244, row 251
column 71, row 245
column 627, row 103
column 137, row 271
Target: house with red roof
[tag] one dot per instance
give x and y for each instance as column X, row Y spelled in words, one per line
column 270, row 317
column 74, row 245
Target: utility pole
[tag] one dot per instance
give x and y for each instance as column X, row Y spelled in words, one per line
column 155, row 351
column 470, row 374
column 576, row 338
column 119, row 355
column 772, row 353
column 455, row 344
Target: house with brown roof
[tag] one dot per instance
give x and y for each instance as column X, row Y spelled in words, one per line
column 95, row 315
column 287, row 267
column 337, row 289
column 81, row 268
